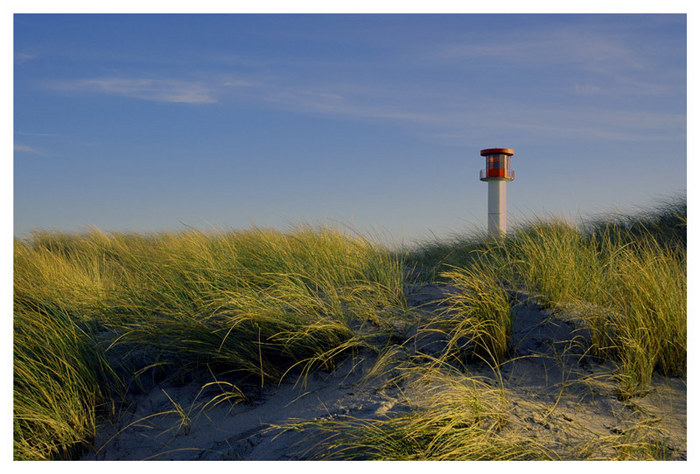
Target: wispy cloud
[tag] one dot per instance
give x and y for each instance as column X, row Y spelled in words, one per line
column 587, row 50
column 236, row 82
column 604, row 123
column 598, row 61
column 208, row 91
column 365, row 105
column 441, row 113
column 34, row 134
column 23, row 57
column 26, row 149
column 587, row 89
column 156, row 90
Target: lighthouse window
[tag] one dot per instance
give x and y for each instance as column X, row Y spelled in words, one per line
column 500, row 161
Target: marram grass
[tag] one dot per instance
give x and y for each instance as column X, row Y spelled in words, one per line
column 60, row 378
column 477, row 318
column 446, row 416
column 255, row 306
column 626, row 280
column 95, row 313
column 629, row 290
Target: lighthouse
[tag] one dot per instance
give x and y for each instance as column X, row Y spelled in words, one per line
column 497, row 174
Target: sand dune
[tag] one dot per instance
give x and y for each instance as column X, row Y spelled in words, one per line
column 555, row 394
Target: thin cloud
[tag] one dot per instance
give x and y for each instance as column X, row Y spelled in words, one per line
column 587, row 89
column 155, row 90
column 238, row 83
column 34, row 134
column 332, row 103
column 445, row 112
column 23, row 57
column 590, row 122
column 592, row 51
column 595, row 57
column 448, row 118
column 18, row 147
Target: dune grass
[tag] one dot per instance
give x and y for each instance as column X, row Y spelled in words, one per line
column 61, row 376
column 630, row 291
column 97, row 314
column 476, row 318
column 445, row 415
column 625, row 278
column 252, row 306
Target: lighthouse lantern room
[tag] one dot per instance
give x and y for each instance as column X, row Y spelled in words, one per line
column 497, row 174
column 497, row 164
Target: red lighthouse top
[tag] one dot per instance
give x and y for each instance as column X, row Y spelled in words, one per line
column 497, row 151
column 497, row 165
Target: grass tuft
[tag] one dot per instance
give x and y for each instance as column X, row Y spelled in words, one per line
column 477, row 318
column 454, row 417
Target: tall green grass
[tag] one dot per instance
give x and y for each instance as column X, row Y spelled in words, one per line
column 630, row 291
column 61, row 377
column 625, row 278
column 476, row 318
column 95, row 313
column 253, row 306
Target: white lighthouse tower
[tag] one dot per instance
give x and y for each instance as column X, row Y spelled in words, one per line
column 497, row 173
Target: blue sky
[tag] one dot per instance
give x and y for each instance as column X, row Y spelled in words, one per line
column 163, row 122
